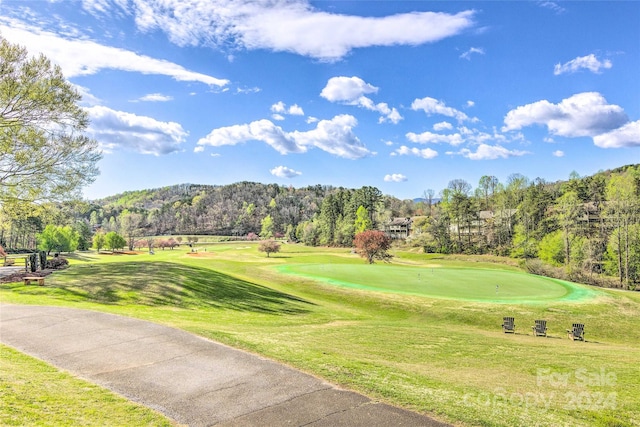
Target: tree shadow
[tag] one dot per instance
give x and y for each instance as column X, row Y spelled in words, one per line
column 169, row 284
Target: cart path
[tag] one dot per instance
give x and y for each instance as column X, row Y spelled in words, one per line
column 190, row 379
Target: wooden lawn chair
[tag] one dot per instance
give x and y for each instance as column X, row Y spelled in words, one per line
column 576, row 332
column 540, row 329
column 509, row 325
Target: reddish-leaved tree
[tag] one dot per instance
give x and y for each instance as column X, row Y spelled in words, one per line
column 269, row 246
column 372, row 245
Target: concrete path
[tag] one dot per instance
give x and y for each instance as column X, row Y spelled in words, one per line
column 190, row 379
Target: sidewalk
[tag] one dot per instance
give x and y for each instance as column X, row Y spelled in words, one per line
column 190, row 379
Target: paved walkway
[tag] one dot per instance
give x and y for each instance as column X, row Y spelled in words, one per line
column 190, row 379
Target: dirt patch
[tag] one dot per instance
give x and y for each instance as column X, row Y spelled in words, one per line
column 20, row 275
column 201, row 254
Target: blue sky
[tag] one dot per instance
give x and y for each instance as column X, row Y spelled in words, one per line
column 403, row 96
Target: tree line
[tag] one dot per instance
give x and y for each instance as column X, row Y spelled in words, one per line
column 589, row 226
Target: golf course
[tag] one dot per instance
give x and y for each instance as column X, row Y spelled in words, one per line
column 422, row 332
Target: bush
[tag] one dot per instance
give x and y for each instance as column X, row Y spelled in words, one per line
column 57, row 263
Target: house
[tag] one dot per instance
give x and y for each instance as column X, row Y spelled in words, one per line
column 399, row 228
column 484, row 220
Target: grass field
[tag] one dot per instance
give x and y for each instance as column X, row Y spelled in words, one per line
column 469, row 284
column 437, row 349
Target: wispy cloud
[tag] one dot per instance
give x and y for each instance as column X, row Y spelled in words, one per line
column 284, row 26
column 155, row 97
column 474, row 50
column 433, row 106
column 589, row 62
column 81, row 56
column 552, row 5
column 489, row 152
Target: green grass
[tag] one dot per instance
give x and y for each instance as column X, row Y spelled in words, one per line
column 35, row 393
column 442, row 356
column 471, row 284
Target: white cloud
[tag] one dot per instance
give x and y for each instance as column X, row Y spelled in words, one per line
column 296, row 110
column 425, row 153
column 117, row 129
column 553, row 6
column 245, row 90
column 81, row 57
column 435, row 138
column 88, row 99
column 490, row 152
column 155, row 97
column 589, row 62
column 627, row 135
column 352, row 91
column 558, row 153
column 583, row 114
column 334, row 136
column 433, row 106
column 438, row 127
column 289, row 26
column 284, row 172
column 470, row 104
column 395, row 177
column 280, row 108
column 467, row 55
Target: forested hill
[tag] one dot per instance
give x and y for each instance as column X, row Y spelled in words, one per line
column 235, row 209
column 239, row 209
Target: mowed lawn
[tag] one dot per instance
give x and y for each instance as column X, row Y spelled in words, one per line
column 471, row 284
column 378, row 330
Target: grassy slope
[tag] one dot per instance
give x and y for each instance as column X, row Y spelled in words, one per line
column 35, row 393
column 443, row 357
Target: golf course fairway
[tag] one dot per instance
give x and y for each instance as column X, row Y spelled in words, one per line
column 471, row 284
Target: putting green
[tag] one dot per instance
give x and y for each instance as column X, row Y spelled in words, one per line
column 471, row 284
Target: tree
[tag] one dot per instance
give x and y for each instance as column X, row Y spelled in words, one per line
column 363, row 222
column 114, row 241
column 269, row 246
column 99, row 241
column 568, row 210
column 622, row 205
column 84, row 235
column 130, row 226
column 43, row 152
column 552, row 249
column 372, row 245
column 61, row 239
column 267, row 227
